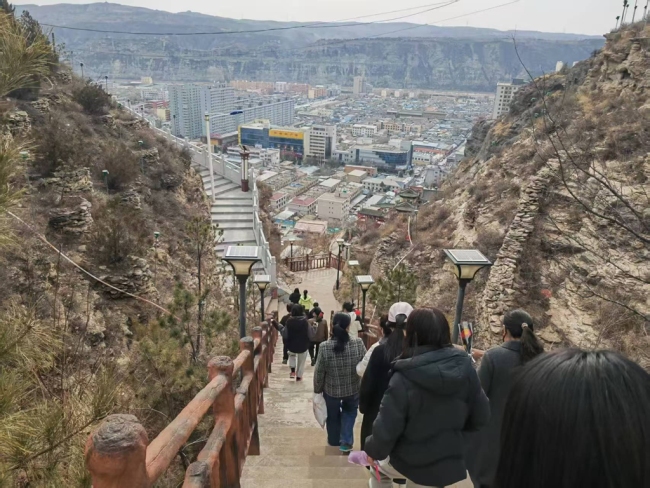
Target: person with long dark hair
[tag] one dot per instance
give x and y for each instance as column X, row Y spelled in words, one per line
column 433, row 397
column 295, row 296
column 577, row 419
column 375, row 380
column 297, row 338
column 496, row 373
column 336, row 378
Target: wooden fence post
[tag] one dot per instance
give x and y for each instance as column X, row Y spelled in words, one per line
column 260, row 373
column 116, row 453
column 252, row 397
column 223, row 410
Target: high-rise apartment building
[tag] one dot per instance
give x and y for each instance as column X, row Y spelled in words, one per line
column 189, row 103
column 359, row 86
column 277, row 112
column 185, row 110
column 505, row 94
column 320, row 142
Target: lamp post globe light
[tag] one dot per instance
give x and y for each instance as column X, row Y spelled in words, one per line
column 242, row 259
column 467, row 262
column 364, row 282
column 340, row 243
column 262, row 282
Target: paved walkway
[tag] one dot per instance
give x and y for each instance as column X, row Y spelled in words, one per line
column 294, row 451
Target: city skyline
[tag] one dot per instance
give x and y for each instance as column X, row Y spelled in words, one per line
column 581, row 16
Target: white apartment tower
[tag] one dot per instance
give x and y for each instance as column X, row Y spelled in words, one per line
column 185, row 110
column 189, row 103
column 320, row 142
column 505, row 94
column 359, row 86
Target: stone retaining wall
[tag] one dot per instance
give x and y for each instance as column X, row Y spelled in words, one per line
column 499, row 293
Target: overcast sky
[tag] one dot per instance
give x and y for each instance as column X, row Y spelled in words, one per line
column 579, row 16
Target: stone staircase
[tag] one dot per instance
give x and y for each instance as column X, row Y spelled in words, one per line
column 293, row 448
column 232, row 210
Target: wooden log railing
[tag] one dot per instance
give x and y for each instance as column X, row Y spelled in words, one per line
column 311, row 261
column 118, row 453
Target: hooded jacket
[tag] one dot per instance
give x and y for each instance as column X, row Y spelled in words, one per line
column 307, row 302
column 432, row 398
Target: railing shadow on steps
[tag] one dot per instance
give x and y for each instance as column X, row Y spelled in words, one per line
column 118, row 453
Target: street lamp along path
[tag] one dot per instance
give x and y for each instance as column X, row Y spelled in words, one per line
column 364, row 282
column 467, row 262
column 242, row 259
column 262, row 282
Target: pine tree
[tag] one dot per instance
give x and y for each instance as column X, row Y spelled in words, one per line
column 7, row 7
column 399, row 285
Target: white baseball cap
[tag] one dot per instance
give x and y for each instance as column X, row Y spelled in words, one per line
column 399, row 308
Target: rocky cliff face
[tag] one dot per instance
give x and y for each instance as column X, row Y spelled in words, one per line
column 444, row 64
column 430, row 57
column 555, row 194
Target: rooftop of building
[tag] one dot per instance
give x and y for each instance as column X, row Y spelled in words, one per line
column 330, row 183
column 331, row 197
column 278, row 196
column 302, row 201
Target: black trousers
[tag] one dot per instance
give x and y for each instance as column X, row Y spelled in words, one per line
column 285, row 353
column 313, row 350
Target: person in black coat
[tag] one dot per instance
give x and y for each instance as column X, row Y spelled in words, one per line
column 433, row 397
column 496, row 373
column 297, row 340
column 295, row 296
column 374, row 382
column 279, row 327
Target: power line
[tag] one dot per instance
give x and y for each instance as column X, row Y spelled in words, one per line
column 333, row 25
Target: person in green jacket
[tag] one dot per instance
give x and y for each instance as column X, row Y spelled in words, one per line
column 306, row 301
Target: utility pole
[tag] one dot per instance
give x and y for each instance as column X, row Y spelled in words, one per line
column 209, row 154
column 634, row 11
column 82, row 69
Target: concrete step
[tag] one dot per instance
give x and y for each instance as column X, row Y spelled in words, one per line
column 233, row 217
column 239, row 202
column 222, row 246
column 238, row 235
column 234, row 196
column 221, row 190
column 231, row 209
column 218, row 183
column 248, row 224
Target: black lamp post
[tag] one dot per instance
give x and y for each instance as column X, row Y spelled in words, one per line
column 467, row 262
column 353, row 264
column 365, row 282
column 242, row 259
column 262, row 282
column 340, row 243
column 106, row 80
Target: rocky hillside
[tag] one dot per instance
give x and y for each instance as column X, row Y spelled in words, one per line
column 446, row 58
column 556, row 194
column 104, row 306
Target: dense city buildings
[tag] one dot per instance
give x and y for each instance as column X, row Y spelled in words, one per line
column 185, row 109
column 505, row 93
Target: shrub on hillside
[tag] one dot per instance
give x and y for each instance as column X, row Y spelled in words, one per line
column 118, row 233
column 93, row 99
column 122, row 164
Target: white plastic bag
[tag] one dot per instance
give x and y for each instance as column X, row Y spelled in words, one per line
column 320, row 409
